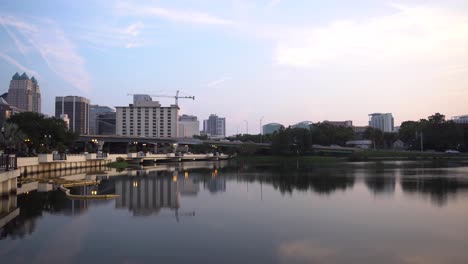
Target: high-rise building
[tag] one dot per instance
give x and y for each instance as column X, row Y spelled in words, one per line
column 460, row 119
column 24, row 93
column 94, row 112
column 105, row 123
column 215, row 126
column 189, row 126
column 147, row 119
column 271, row 128
column 77, row 109
column 384, row 122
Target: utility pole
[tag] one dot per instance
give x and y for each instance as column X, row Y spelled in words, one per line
column 422, row 141
column 246, row 127
column 261, row 132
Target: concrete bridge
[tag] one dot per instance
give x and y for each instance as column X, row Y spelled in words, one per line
column 154, row 140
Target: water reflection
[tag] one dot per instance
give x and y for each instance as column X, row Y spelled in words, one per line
column 439, row 189
column 146, row 195
column 147, row 191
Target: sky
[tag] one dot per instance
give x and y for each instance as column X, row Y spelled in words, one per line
column 284, row 60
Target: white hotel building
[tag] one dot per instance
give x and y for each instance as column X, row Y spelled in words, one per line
column 146, row 118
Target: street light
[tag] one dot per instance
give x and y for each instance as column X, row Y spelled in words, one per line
column 261, row 132
column 246, row 127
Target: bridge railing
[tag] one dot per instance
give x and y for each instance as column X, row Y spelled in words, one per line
column 8, row 162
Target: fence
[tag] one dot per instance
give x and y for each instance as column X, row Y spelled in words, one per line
column 8, row 162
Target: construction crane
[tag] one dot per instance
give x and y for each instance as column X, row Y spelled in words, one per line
column 177, row 97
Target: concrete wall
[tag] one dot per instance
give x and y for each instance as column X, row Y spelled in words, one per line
column 8, row 181
column 31, row 161
column 76, row 157
column 59, row 166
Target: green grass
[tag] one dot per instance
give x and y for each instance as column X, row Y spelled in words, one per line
column 118, row 165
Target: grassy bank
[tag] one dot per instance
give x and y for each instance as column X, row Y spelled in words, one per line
column 120, row 165
column 372, row 155
column 310, row 159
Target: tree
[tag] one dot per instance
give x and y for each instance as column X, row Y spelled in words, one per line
column 36, row 127
column 11, row 137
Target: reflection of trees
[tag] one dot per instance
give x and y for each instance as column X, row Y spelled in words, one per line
column 286, row 179
column 381, row 183
column 439, row 189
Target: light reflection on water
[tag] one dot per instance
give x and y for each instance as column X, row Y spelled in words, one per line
column 227, row 212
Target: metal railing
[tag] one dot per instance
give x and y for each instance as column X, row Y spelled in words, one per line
column 59, row 156
column 8, row 162
column 141, row 154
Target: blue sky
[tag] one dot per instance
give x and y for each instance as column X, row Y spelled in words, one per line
column 286, row 60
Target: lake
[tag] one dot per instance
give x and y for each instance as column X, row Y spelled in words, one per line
column 247, row 212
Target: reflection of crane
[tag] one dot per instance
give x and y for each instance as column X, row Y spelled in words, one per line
column 170, row 96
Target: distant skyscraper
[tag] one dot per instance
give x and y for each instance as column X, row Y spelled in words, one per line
column 94, row 112
column 189, row 126
column 77, row 109
column 215, row 126
column 24, row 93
column 140, row 98
column 384, row 122
column 105, row 123
column 271, row 128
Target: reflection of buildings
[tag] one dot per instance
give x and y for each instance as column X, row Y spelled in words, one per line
column 188, row 187
column 146, row 195
column 216, row 184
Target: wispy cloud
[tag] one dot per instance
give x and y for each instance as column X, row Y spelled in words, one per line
column 18, row 65
column 134, row 29
column 51, row 43
column 410, row 34
column 193, row 17
column 216, row 82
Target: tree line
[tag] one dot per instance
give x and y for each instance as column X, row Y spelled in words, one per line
column 437, row 133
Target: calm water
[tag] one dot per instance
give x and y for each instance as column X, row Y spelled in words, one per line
column 249, row 213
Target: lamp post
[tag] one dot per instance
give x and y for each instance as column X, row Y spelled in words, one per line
column 261, row 132
column 4, row 139
column 246, row 127
column 47, row 140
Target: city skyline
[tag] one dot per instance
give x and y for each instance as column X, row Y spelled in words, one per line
column 342, row 64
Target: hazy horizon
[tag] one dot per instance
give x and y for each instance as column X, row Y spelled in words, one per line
column 287, row 61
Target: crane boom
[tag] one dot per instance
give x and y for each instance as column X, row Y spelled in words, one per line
column 177, row 97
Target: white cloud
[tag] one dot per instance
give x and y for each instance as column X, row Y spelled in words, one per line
column 193, row 17
column 18, row 65
column 411, row 34
column 134, row 29
column 51, row 43
column 216, row 82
